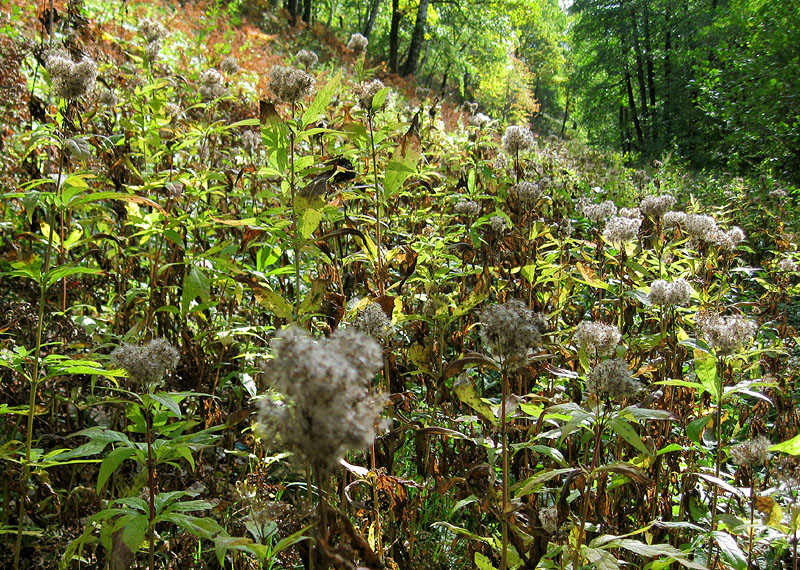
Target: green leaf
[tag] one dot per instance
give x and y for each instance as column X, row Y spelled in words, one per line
column 168, row 402
column 379, row 99
column 203, row 527
column 59, row 273
column 706, row 370
column 403, row 163
column 310, row 221
column 625, row 431
column 195, row 285
column 695, row 428
column 790, row 446
column 729, row 550
column 135, row 527
column 111, row 462
column 321, row 101
column 483, row 562
column 601, row 559
column 532, row 484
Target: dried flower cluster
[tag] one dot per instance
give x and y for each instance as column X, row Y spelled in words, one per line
column 290, row 84
column 107, row 98
column 366, row 91
column 613, row 379
column 597, row 212
column 469, row 108
column 701, row 227
column 752, row 452
column 620, row 229
column 656, row 206
column 251, row 142
column 153, row 33
column 730, row 239
column 229, row 66
column 422, row 93
column 467, row 208
column 777, row 194
column 479, row 120
column 146, row 364
column 725, row 334
column 676, row 293
column 71, row 80
column 326, row 408
column 509, row 330
column 599, row 338
column 373, row 321
column 212, row 85
column 357, row 43
column 306, row 58
column 528, row 193
column 630, row 213
column 517, row 139
column 787, row 265
column 548, row 518
column 674, row 219
column 499, row 224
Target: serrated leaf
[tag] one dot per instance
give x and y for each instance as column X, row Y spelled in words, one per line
column 111, row 462
column 695, row 428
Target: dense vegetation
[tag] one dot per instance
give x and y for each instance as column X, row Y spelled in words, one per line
column 268, row 303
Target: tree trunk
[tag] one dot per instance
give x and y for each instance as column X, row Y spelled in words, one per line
column 566, row 116
column 648, row 49
column 291, row 6
column 668, row 72
column 374, row 8
column 334, row 3
column 632, row 106
column 394, row 36
column 417, row 38
column 307, row 11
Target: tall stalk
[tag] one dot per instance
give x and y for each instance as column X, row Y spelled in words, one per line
column 378, row 203
column 35, row 379
column 506, row 502
column 717, row 455
column 295, row 236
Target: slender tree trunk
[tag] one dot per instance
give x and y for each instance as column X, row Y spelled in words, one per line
column 334, row 3
column 640, row 79
column 566, row 116
column 632, row 105
column 374, row 8
column 394, row 36
column 444, row 77
column 668, row 72
column 291, row 6
column 307, row 11
column 648, row 49
column 417, row 38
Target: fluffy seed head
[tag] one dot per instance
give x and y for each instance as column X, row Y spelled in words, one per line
column 290, row 84
column 528, row 193
column 70, row 80
column 146, row 364
column 212, row 85
column 326, row 408
column 422, row 93
column 674, row 219
column 229, row 66
column 676, row 293
column 479, row 120
column 598, row 212
column 467, row 208
column 752, row 452
column 357, row 43
column 656, row 206
column 725, row 334
column 107, row 98
column 306, row 58
column 613, row 379
column 630, row 213
column 597, row 337
column 548, row 517
column 728, row 240
column 364, row 93
column 373, row 321
column 517, row 139
column 787, row 265
column 619, row 229
column 78, row 148
column 499, row 224
column 700, row 226
column 509, row 330
column 251, row 142
column 152, row 31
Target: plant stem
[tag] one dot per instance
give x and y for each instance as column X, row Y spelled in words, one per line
column 151, row 487
column 504, row 513
column 35, row 372
column 717, row 455
column 295, row 235
column 378, row 205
